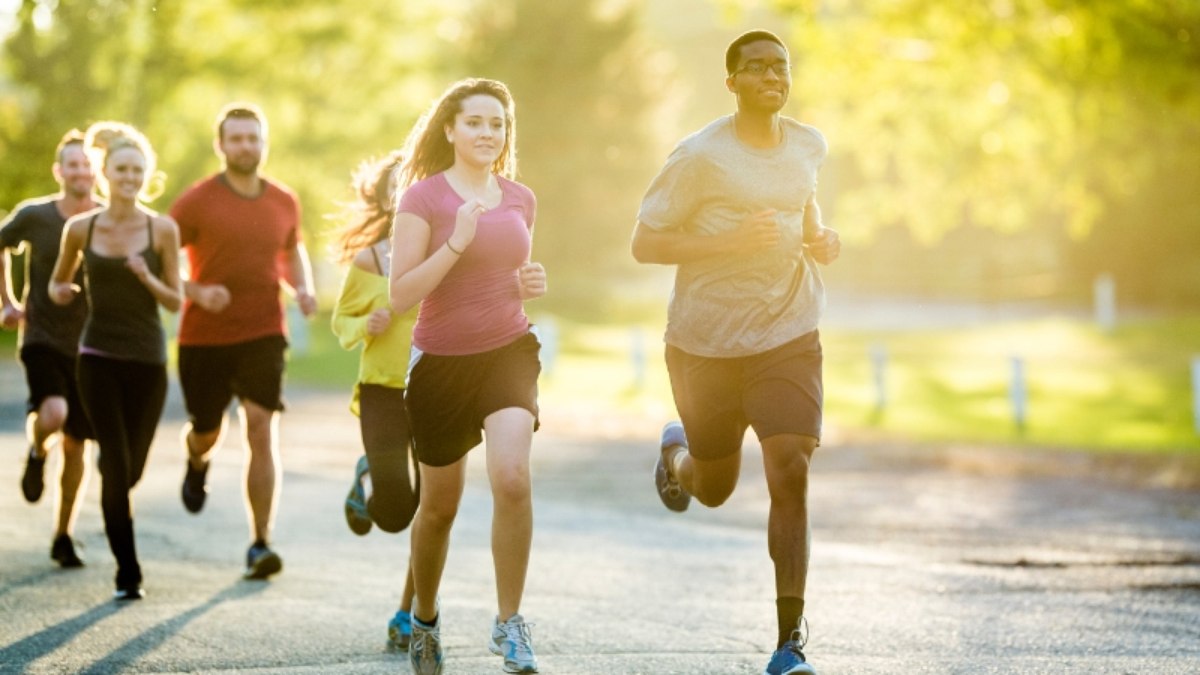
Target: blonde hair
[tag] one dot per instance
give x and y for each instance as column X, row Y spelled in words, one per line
column 104, row 138
column 369, row 217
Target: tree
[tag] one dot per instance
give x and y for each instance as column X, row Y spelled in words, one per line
column 1053, row 116
column 585, row 103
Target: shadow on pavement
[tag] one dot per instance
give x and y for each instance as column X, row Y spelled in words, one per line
column 33, row 647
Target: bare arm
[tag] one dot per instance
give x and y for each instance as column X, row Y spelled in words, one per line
column 299, row 279
column 62, row 289
column 10, row 309
column 413, row 275
column 822, row 243
column 757, row 232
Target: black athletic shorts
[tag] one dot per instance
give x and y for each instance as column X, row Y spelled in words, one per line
column 449, row 396
column 210, row 376
column 776, row 392
column 49, row 372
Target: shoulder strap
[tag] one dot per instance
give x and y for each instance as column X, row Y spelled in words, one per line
column 378, row 262
column 91, row 225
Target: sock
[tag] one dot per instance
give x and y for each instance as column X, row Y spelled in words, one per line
column 261, row 543
column 788, row 611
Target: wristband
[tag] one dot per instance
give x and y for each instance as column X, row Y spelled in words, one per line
column 452, row 249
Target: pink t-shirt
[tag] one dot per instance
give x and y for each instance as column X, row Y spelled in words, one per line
column 477, row 306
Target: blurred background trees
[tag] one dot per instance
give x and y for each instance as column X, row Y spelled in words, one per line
column 988, row 151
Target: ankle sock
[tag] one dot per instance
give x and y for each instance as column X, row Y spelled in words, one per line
column 788, row 611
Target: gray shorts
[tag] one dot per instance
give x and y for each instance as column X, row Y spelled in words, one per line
column 776, row 392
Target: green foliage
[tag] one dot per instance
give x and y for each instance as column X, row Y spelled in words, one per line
column 584, row 104
column 1043, row 116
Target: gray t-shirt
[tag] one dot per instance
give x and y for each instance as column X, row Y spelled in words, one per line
column 36, row 227
column 738, row 305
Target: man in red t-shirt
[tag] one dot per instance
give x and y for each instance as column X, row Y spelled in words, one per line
column 242, row 236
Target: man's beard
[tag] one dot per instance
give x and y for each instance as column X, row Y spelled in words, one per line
column 74, row 192
column 245, row 167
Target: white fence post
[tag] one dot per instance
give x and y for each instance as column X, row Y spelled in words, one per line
column 637, row 357
column 1105, row 291
column 1196, row 392
column 879, row 358
column 1018, row 393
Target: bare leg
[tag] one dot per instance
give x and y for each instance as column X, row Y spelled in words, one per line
column 71, row 483
column 786, row 458
column 509, row 434
column 709, row 481
column 263, row 469
column 199, row 446
column 441, row 492
column 47, row 421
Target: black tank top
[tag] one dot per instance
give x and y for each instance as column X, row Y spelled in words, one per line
column 123, row 319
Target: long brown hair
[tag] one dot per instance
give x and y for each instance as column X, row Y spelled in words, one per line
column 429, row 152
column 369, row 217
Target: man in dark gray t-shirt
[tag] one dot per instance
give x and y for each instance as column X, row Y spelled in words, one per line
column 735, row 210
column 49, row 338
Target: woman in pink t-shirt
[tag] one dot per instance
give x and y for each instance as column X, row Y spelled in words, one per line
column 460, row 248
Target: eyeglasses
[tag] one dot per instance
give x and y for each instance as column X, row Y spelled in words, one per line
column 759, row 68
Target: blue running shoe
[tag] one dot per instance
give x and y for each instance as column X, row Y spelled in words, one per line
column 788, row 659
column 356, row 501
column 400, row 631
column 425, row 650
column 671, row 493
column 512, row 640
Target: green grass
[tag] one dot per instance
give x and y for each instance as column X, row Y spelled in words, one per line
column 1129, row 390
column 1125, row 391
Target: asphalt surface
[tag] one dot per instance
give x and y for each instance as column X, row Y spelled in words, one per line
column 921, row 564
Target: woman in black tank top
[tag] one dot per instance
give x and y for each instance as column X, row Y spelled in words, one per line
column 130, row 258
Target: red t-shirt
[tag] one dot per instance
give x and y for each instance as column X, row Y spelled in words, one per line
column 477, row 306
column 242, row 243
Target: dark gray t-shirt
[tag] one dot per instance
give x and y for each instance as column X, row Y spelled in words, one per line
column 36, row 226
column 738, row 305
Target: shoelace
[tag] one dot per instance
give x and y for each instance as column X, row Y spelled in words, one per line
column 800, row 635
column 419, row 638
column 519, row 635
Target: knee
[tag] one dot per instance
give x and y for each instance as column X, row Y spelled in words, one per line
column 713, row 496
column 512, row 486
column 437, row 514
column 52, row 414
column 394, row 512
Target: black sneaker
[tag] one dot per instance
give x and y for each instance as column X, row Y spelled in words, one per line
column 32, row 482
column 261, row 562
column 63, row 552
column 129, row 592
column 195, row 488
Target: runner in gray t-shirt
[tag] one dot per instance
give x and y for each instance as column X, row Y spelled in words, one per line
column 49, row 338
column 735, row 210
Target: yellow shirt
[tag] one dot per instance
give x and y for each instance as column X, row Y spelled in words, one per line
column 384, row 357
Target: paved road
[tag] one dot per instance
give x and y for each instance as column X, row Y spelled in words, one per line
column 917, row 568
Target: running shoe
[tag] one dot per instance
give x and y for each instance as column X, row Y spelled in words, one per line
column 63, row 552
column 400, row 631
column 261, row 562
column 129, row 592
column 425, row 650
column 356, row 501
column 32, row 482
column 511, row 639
column 195, row 488
column 671, row 493
column 788, row 659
